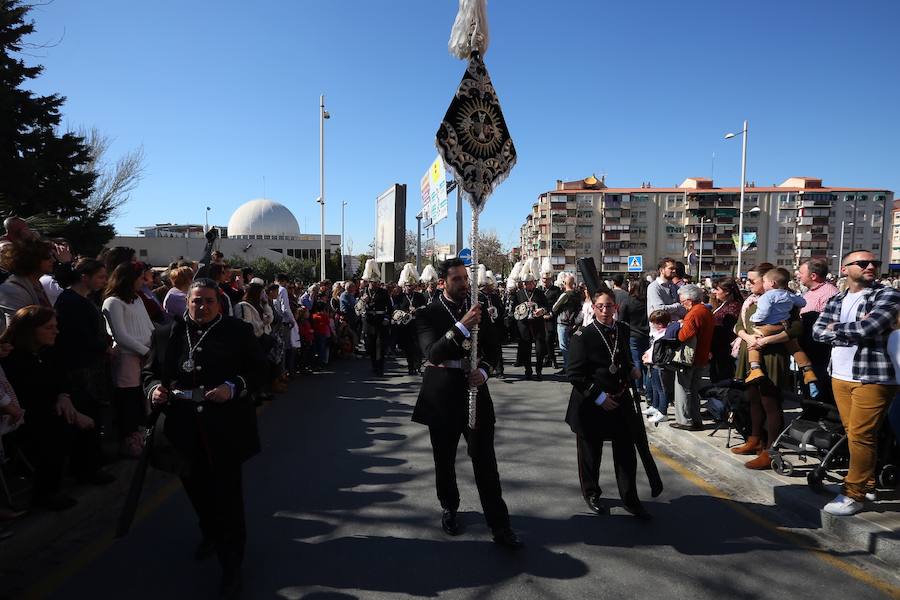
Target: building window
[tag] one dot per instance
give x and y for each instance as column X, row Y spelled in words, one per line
column 142, row 253
column 876, row 231
column 876, row 246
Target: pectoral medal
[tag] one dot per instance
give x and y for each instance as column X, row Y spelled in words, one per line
column 613, row 369
column 188, row 365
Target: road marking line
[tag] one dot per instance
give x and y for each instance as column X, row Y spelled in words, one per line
column 822, row 554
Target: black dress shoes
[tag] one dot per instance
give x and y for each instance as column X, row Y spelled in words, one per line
column 639, row 511
column 507, row 538
column 686, row 426
column 449, row 523
column 205, row 549
column 595, row 504
column 528, row 375
column 538, row 376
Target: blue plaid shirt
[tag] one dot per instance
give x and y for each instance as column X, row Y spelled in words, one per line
column 875, row 318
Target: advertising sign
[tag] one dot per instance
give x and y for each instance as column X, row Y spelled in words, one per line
column 390, row 224
column 434, row 192
column 749, row 241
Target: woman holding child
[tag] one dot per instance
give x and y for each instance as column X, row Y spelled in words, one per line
column 763, row 393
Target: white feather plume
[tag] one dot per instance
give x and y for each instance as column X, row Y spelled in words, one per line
column 470, row 29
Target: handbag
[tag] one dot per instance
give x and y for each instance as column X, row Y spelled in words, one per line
column 673, row 354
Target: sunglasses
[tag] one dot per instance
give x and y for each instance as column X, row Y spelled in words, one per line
column 864, row 264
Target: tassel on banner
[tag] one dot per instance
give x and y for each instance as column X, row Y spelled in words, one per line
column 470, row 29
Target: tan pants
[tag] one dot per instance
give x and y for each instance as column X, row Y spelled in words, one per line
column 862, row 407
column 792, row 346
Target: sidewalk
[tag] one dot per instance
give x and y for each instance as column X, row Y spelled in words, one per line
column 875, row 531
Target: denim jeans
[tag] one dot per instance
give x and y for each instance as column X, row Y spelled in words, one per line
column 639, row 344
column 656, row 392
column 564, row 333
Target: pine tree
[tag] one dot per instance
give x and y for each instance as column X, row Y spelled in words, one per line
column 42, row 171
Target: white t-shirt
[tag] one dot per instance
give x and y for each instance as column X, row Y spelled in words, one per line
column 893, row 348
column 842, row 356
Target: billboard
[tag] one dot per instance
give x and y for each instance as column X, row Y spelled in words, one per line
column 434, row 192
column 390, row 225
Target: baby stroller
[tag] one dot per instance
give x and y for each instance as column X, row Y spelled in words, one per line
column 818, row 434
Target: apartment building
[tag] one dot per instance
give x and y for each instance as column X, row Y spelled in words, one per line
column 895, row 239
column 698, row 223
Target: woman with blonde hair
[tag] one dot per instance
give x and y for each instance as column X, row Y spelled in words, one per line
column 175, row 302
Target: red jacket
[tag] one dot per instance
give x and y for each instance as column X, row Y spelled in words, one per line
column 306, row 331
column 698, row 322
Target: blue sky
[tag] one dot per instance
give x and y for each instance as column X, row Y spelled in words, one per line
column 221, row 94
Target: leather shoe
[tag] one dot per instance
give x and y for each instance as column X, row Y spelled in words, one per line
column 538, row 376
column 639, row 511
column 507, row 538
column 528, row 376
column 595, row 504
column 686, row 426
column 205, row 549
column 449, row 523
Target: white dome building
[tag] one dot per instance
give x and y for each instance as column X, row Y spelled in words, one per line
column 263, row 220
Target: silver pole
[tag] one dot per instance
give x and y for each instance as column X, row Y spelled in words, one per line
column 473, row 279
column 419, row 242
column 741, row 213
column 322, row 117
column 459, row 222
column 343, row 204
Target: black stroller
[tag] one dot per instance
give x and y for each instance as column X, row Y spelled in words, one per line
column 819, row 434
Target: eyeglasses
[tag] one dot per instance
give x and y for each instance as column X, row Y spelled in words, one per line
column 606, row 306
column 864, row 264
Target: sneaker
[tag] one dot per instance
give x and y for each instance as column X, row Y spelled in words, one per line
column 658, row 418
column 871, row 496
column 842, row 506
column 649, row 411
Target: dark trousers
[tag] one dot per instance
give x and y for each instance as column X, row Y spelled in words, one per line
column 409, row 341
column 218, row 499
column 590, row 454
column 130, row 414
column 377, row 340
column 552, row 341
column 480, row 441
column 523, row 353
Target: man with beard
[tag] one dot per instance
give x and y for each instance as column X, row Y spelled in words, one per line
column 445, row 327
column 410, row 301
column 531, row 304
column 201, row 371
column 600, row 405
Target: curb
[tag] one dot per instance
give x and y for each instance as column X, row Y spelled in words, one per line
column 875, row 531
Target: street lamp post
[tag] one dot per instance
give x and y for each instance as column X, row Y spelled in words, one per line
column 207, row 220
column 323, row 114
column 343, row 205
column 743, row 185
column 703, row 222
column 840, row 254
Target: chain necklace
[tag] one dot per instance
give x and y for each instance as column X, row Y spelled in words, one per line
column 189, row 365
column 612, row 351
column 447, row 308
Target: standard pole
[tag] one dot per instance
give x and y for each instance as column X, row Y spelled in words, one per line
column 322, row 183
column 419, row 242
column 459, row 222
column 741, row 209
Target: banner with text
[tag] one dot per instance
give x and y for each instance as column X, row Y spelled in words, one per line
column 434, row 192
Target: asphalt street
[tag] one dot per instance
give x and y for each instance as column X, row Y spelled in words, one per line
column 341, row 504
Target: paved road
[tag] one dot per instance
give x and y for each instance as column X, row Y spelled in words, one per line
column 341, row 504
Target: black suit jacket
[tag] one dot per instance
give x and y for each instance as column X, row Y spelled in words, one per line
column 530, row 328
column 588, row 372
column 444, row 397
column 222, row 432
column 415, row 300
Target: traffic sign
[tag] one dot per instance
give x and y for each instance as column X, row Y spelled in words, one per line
column 465, row 255
column 636, row 263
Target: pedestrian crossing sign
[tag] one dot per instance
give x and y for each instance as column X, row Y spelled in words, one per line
column 636, row 263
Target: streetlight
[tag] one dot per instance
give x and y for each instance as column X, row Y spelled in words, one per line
column 840, row 254
column 703, row 221
column 343, row 205
column 728, row 136
column 207, row 219
column 323, row 114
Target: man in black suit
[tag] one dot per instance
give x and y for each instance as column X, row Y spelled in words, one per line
column 444, row 328
column 552, row 294
column 600, row 405
column 200, row 371
column 532, row 329
column 410, row 301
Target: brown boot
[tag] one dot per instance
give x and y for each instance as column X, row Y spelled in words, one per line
column 752, row 446
column 761, row 463
column 753, row 375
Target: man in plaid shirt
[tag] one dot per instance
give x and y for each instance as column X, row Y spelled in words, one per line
column 856, row 323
